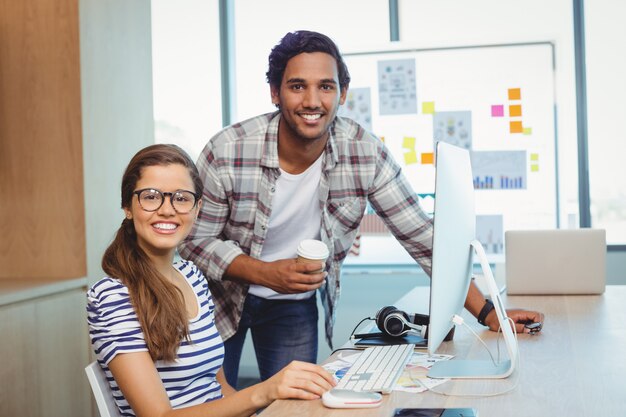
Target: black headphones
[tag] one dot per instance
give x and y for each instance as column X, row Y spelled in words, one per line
column 396, row 323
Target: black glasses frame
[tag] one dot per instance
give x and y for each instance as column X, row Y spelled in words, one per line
column 164, row 194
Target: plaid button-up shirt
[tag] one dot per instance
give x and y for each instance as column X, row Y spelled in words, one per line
column 239, row 167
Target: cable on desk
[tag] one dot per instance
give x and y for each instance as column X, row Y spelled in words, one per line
column 353, row 348
column 459, row 320
column 358, row 324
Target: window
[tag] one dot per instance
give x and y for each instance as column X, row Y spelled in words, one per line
column 606, row 89
column 186, row 73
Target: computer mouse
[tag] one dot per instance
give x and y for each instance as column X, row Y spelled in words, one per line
column 343, row 398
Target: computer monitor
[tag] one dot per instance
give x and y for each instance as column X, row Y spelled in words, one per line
column 454, row 243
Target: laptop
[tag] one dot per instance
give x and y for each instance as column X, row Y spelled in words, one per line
column 555, row 261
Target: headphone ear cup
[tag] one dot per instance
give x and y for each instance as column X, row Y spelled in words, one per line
column 381, row 316
column 396, row 323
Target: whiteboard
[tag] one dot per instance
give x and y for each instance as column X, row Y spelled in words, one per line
column 498, row 101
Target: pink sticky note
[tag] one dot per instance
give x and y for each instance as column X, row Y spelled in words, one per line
column 497, row 110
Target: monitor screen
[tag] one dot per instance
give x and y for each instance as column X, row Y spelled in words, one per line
column 454, row 243
column 454, row 229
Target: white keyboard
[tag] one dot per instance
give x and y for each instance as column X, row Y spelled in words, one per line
column 377, row 368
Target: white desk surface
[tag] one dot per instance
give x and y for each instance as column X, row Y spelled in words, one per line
column 575, row 367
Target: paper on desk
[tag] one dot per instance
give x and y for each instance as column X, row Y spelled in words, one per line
column 340, row 366
column 414, row 378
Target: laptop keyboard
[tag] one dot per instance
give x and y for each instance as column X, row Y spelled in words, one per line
column 377, row 368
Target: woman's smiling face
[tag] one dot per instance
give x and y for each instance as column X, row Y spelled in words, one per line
column 159, row 232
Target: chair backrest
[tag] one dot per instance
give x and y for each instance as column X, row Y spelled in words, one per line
column 101, row 391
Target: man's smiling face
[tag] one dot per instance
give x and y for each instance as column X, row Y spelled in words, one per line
column 309, row 96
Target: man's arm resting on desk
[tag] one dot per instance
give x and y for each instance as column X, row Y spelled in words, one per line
column 285, row 276
column 475, row 301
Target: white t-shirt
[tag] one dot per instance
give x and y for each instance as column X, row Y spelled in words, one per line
column 296, row 215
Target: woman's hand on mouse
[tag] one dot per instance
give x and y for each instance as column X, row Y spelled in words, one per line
column 300, row 380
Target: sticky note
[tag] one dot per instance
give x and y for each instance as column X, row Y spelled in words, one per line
column 428, row 107
column 534, row 168
column 528, row 130
column 408, row 142
column 428, row 158
column 497, row 110
column 534, row 156
column 382, row 139
column 515, row 94
column 516, row 127
column 515, row 110
column 410, row 158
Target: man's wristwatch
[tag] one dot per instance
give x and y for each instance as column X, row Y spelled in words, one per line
column 485, row 311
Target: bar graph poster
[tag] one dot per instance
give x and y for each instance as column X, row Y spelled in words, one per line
column 496, row 101
column 499, row 170
column 490, row 232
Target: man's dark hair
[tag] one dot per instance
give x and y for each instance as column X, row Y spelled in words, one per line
column 295, row 43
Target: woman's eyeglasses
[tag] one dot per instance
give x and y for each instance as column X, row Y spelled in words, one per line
column 151, row 199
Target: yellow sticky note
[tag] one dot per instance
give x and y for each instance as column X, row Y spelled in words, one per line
column 428, row 107
column 515, row 110
column 528, row 130
column 382, row 139
column 515, row 94
column 516, row 127
column 534, row 156
column 428, row 158
column 408, row 143
column 534, row 168
column 410, row 158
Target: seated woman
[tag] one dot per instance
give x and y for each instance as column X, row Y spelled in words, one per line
column 152, row 320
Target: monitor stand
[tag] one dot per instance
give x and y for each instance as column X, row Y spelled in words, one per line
column 483, row 368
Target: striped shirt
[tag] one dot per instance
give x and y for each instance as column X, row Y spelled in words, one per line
column 240, row 166
column 114, row 329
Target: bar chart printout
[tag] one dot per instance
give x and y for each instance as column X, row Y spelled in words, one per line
column 499, row 170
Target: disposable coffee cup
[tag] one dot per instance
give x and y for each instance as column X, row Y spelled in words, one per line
column 311, row 250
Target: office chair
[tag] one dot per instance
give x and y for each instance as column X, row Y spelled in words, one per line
column 101, row 391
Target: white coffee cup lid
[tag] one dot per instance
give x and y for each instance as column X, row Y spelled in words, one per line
column 313, row 249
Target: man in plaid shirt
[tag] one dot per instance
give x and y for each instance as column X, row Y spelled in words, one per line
column 298, row 173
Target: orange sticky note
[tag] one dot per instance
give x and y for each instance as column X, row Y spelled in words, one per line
column 515, row 110
column 428, row 107
column 516, row 127
column 428, row 158
column 515, row 94
column 410, row 158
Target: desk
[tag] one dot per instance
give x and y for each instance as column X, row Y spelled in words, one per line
column 575, row 367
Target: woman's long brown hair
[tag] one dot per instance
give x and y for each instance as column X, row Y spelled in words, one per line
column 159, row 305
